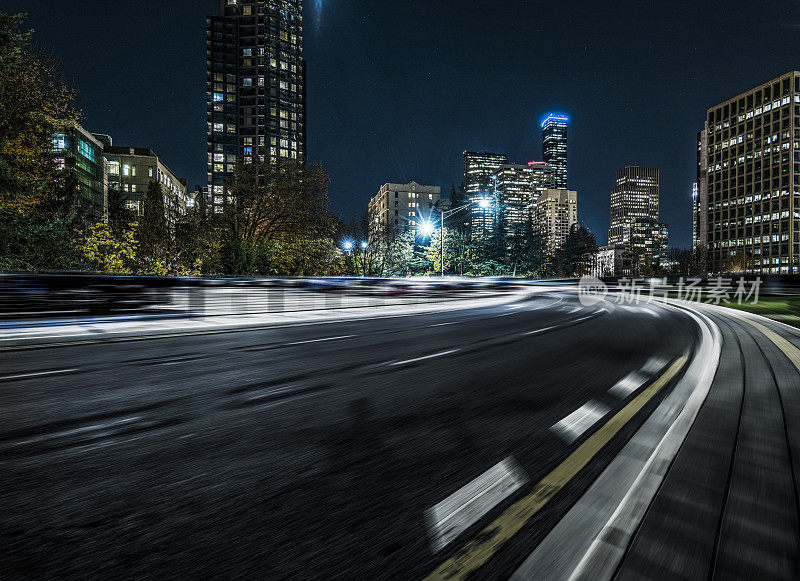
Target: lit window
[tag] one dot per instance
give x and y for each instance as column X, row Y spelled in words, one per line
column 248, row 151
column 126, row 170
column 218, row 97
column 113, row 168
column 247, row 82
column 219, row 127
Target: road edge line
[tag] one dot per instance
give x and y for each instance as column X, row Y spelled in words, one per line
column 609, row 547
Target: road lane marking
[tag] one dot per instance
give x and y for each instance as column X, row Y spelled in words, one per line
column 456, row 513
column 537, row 331
column 576, row 423
column 320, row 340
column 628, row 384
column 407, row 361
column 654, row 365
column 36, row 374
column 476, row 552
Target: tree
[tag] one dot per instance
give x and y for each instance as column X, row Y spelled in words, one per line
column 153, row 233
column 108, row 252
column 451, row 250
column 36, row 242
column 272, row 207
column 575, row 255
column 528, row 251
column 34, row 100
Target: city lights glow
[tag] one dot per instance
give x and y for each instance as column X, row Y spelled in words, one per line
column 554, row 117
column 427, row 228
column 484, row 203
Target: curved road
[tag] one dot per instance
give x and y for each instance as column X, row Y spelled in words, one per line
column 381, row 449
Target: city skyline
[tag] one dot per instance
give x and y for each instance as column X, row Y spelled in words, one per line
column 606, row 104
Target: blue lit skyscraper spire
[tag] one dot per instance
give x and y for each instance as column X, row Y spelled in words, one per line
column 554, row 146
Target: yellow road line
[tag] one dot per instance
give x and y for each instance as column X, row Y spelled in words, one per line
column 490, row 539
column 788, row 348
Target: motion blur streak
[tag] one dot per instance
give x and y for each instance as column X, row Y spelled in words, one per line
column 347, row 430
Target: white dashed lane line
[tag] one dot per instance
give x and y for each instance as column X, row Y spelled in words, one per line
column 320, row 340
column 36, row 374
column 407, row 361
column 456, row 513
column 628, row 384
column 576, row 423
column 633, row 381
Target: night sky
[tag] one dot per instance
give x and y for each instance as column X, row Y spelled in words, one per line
column 398, row 90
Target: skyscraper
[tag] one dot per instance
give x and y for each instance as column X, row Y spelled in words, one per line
column 480, row 171
column 634, row 197
column 749, row 180
column 635, row 214
column 518, row 188
column 256, row 90
column 554, row 146
column 556, row 212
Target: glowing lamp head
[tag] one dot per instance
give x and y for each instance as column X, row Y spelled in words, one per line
column 347, row 245
column 364, row 245
column 426, row 228
column 484, row 203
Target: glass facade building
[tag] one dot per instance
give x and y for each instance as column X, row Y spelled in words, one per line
column 635, row 214
column 749, row 180
column 80, row 158
column 480, row 174
column 518, row 189
column 256, row 89
column 554, row 146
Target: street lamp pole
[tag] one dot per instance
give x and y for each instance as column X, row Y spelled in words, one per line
column 441, row 245
column 483, row 203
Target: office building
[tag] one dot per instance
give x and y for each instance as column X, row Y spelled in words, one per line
column 403, row 207
column 256, row 90
column 517, row 189
column 749, row 180
column 480, row 173
column 554, row 146
column 130, row 171
column 555, row 213
column 634, row 197
column 79, row 155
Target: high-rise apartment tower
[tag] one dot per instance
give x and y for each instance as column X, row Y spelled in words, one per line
column 256, row 88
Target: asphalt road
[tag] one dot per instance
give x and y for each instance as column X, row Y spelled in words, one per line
column 309, row 452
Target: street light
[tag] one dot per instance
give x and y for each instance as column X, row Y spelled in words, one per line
column 482, row 203
column 364, row 245
column 427, row 228
column 347, row 245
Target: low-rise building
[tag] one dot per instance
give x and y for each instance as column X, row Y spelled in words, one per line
column 80, row 157
column 403, row 207
column 612, row 260
column 130, row 171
